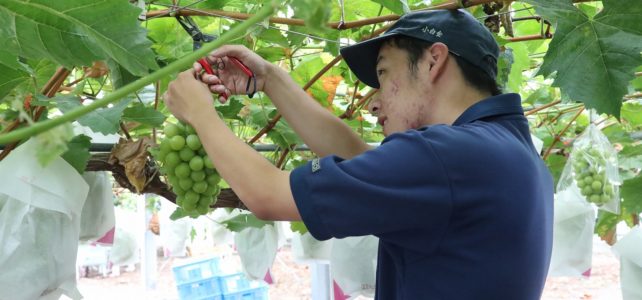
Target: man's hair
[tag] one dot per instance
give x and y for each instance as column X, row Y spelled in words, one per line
column 475, row 76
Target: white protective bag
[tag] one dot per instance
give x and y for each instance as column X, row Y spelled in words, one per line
column 353, row 265
column 306, row 248
column 97, row 216
column 574, row 222
column 629, row 248
column 174, row 234
column 39, row 226
column 257, row 249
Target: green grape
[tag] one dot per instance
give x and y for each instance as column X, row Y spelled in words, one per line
column 189, row 129
column 192, row 197
column 183, row 170
column 200, row 187
column 203, row 207
column 186, row 154
column 213, row 179
column 189, row 171
column 171, row 130
column 177, row 142
column 172, row 160
column 208, row 162
column 193, row 142
column 197, row 176
column 590, row 176
column 196, row 163
column 186, row 183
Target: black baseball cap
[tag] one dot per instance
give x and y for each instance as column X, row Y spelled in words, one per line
column 458, row 29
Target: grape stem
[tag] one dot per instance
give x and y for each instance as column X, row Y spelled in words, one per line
column 559, row 135
column 172, row 68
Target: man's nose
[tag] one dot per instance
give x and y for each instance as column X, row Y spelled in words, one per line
column 374, row 106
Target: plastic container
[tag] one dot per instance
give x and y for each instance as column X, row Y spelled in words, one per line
column 196, row 270
column 260, row 293
column 202, row 289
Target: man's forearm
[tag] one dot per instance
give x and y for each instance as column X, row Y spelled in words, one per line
column 262, row 187
column 323, row 132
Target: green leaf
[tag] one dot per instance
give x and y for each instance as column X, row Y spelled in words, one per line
column 594, row 58
column 11, row 73
column 316, row 14
column 144, row 115
column 399, row 7
column 77, row 154
column 231, row 109
column 119, row 75
column 76, row 32
column 520, row 63
column 177, row 214
column 605, row 222
column 103, row 120
column 242, row 221
column 556, row 165
column 630, row 191
column 53, row 143
column 632, row 113
column 298, row 226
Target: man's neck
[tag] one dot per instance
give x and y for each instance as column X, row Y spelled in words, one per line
column 454, row 100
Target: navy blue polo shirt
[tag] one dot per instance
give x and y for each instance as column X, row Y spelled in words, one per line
column 461, row 212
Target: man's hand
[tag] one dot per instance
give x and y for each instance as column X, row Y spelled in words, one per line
column 188, row 98
column 231, row 80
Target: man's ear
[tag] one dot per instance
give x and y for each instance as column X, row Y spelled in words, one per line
column 437, row 58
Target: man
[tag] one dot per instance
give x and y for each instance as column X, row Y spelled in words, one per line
column 456, row 193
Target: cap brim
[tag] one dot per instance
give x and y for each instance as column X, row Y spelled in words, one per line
column 362, row 59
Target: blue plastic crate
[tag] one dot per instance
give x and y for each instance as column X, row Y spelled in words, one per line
column 209, row 288
column 196, row 270
column 260, row 293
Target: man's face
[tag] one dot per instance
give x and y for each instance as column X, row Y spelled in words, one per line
column 403, row 98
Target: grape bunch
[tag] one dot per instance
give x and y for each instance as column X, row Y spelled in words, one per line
column 189, row 170
column 589, row 171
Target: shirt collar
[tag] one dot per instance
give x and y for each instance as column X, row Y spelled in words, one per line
column 505, row 104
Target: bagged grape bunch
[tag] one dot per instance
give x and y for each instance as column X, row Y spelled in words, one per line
column 592, row 170
column 188, row 169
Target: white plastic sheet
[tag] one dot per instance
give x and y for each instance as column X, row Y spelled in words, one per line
column 39, row 226
column 257, row 249
column 97, row 216
column 353, row 265
column 629, row 248
column 572, row 236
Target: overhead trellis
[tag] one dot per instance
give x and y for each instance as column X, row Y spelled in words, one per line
column 597, row 77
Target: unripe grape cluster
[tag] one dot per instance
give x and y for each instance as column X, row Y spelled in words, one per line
column 189, row 170
column 589, row 171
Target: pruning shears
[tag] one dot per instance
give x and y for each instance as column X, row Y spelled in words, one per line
column 199, row 38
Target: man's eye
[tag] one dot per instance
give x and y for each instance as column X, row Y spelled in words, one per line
column 380, row 72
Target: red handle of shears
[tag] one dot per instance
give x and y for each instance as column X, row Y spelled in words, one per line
column 208, row 69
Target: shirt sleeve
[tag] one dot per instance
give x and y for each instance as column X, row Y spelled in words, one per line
column 398, row 189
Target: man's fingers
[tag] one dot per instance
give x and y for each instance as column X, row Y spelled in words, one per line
column 211, row 79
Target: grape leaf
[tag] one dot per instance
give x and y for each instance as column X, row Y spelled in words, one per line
column 399, row 7
column 119, row 75
column 231, row 109
column 76, row 32
column 315, row 13
column 144, row 115
column 298, row 226
column 632, row 113
column 77, row 154
column 630, row 191
column 593, row 58
column 10, row 76
column 242, row 221
column 103, row 120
